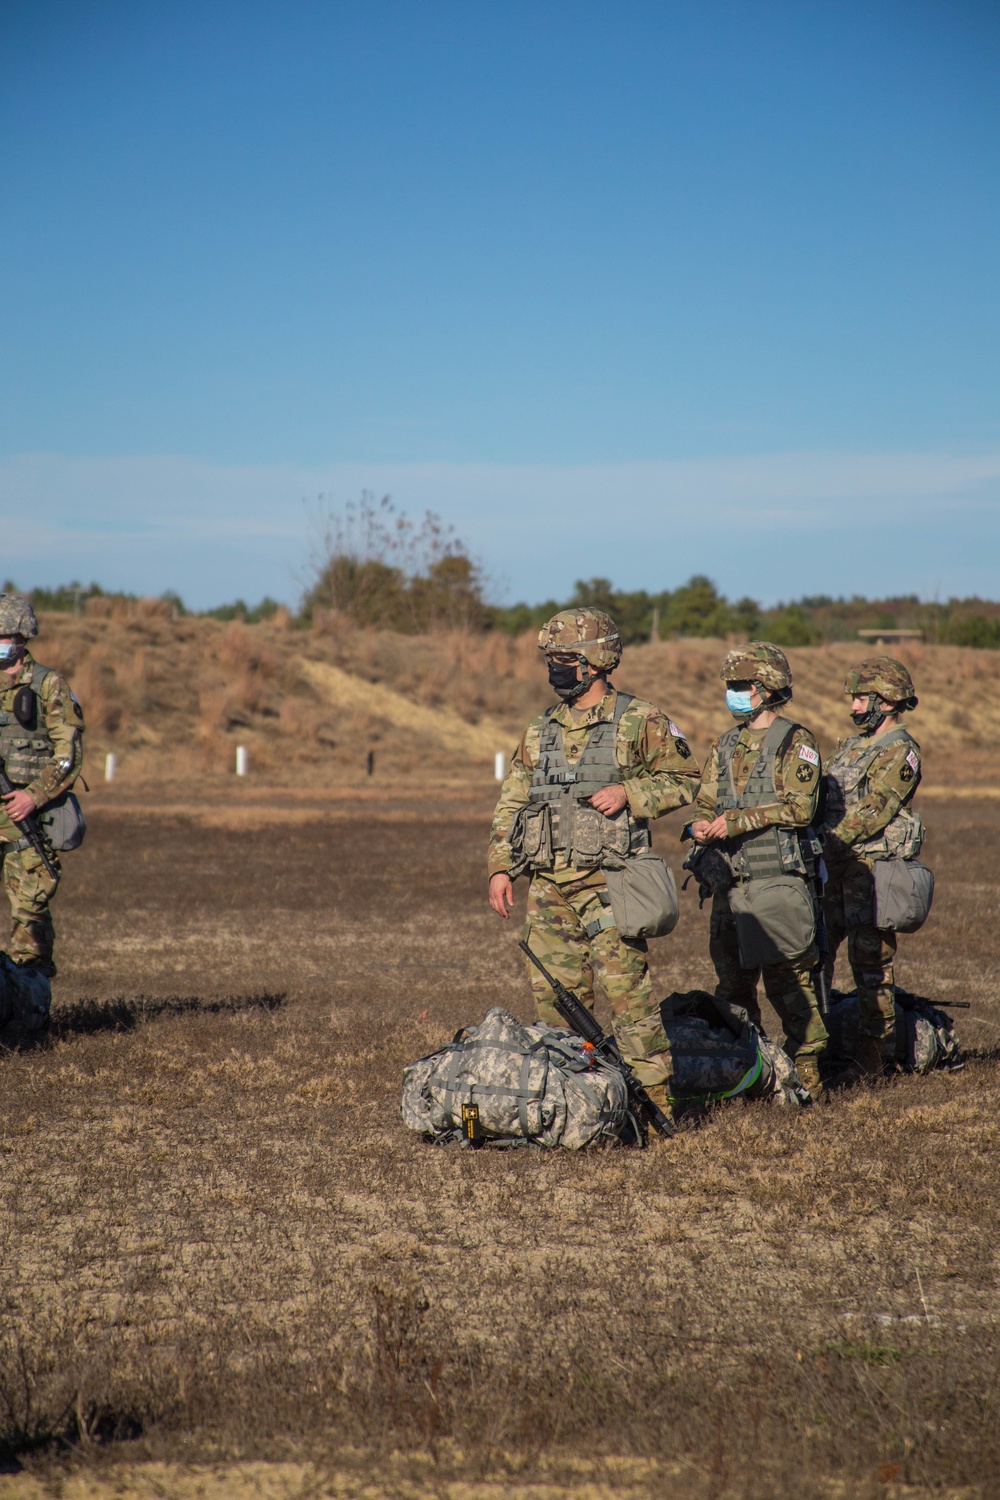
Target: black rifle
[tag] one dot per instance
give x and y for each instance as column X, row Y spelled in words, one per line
column 906, row 1001
column 579, row 1019
column 29, row 826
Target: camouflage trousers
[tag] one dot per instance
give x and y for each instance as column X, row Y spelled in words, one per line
column 849, row 908
column 558, row 917
column 29, row 888
column 790, row 986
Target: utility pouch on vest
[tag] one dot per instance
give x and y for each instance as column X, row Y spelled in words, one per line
column 63, row 823
column 904, row 890
column 26, row 706
column 643, row 896
column 775, row 919
column 531, row 839
column 597, row 839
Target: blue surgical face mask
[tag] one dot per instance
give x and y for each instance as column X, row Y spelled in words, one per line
column 738, row 702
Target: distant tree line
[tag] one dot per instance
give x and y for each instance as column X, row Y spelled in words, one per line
column 371, row 565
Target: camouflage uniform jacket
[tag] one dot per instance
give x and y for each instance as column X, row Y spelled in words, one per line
column 877, row 807
column 60, row 722
column 796, row 780
column 659, row 771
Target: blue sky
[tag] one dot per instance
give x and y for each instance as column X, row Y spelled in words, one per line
column 632, row 289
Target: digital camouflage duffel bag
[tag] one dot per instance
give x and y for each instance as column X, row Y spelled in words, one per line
column 504, row 1083
column 925, row 1034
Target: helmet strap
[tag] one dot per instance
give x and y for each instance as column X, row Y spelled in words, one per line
column 768, row 703
column 873, row 716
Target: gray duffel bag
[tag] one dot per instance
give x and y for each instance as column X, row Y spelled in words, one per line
column 775, row 919
column 904, row 890
column 643, row 896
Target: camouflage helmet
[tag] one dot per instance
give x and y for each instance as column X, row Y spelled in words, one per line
column 17, row 617
column 585, row 632
column 758, row 661
column 884, row 676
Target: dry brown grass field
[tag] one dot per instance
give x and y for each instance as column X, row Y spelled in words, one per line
column 227, row 1270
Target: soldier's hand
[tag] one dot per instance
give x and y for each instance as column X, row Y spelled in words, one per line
column 711, row 833
column 609, row 800
column 699, row 830
column 18, row 805
column 501, row 894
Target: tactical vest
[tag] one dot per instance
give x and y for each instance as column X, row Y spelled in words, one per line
column 25, row 749
column 768, row 852
column 559, row 817
column 846, row 785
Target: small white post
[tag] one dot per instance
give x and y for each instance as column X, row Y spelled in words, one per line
column 242, row 760
column 110, row 766
column 499, row 765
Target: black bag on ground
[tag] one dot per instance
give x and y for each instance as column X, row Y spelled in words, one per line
column 25, row 1000
column 925, row 1035
column 717, row 1054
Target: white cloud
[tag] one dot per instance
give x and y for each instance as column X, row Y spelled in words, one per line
column 773, row 525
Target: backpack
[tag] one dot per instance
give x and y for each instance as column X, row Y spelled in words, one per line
column 502, row 1083
column 717, row 1054
column 925, row 1035
column 25, row 1000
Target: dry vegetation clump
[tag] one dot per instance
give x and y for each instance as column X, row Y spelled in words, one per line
column 219, row 1242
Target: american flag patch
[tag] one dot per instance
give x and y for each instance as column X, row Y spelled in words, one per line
column 805, row 753
column 911, row 760
column 678, row 734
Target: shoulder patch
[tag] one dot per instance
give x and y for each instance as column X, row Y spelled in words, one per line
column 912, row 761
column 806, row 752
column 678, row 734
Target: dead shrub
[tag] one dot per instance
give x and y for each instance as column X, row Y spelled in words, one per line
column 99, row 696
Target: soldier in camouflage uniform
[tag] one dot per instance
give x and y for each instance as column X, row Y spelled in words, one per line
column 584, row 783
column 41, row 725
column 869, row 784
column 752, row 821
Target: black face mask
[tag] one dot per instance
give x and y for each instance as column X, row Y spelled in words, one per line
column 872, row 716
column 563, row 678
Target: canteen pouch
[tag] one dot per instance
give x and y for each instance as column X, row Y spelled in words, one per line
column 904, row 890
column 775, row 919
column 643, row 896
column 63, row 823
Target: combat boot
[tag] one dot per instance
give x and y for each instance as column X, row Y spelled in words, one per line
column 658, row 1093
column 807, row 1068
column 868, row 1059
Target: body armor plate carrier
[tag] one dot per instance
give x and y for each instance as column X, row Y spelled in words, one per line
column 25, row 746
column 559, row 816
column 768, row 852
column 846, row 781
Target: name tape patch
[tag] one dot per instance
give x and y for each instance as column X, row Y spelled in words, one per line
column 911, row 760
column 806, row 753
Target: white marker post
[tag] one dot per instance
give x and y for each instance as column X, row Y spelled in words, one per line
column 242, row 760
column 499, row 765
column 110, row 766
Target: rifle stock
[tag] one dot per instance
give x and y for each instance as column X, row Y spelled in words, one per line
column 579, row 1019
